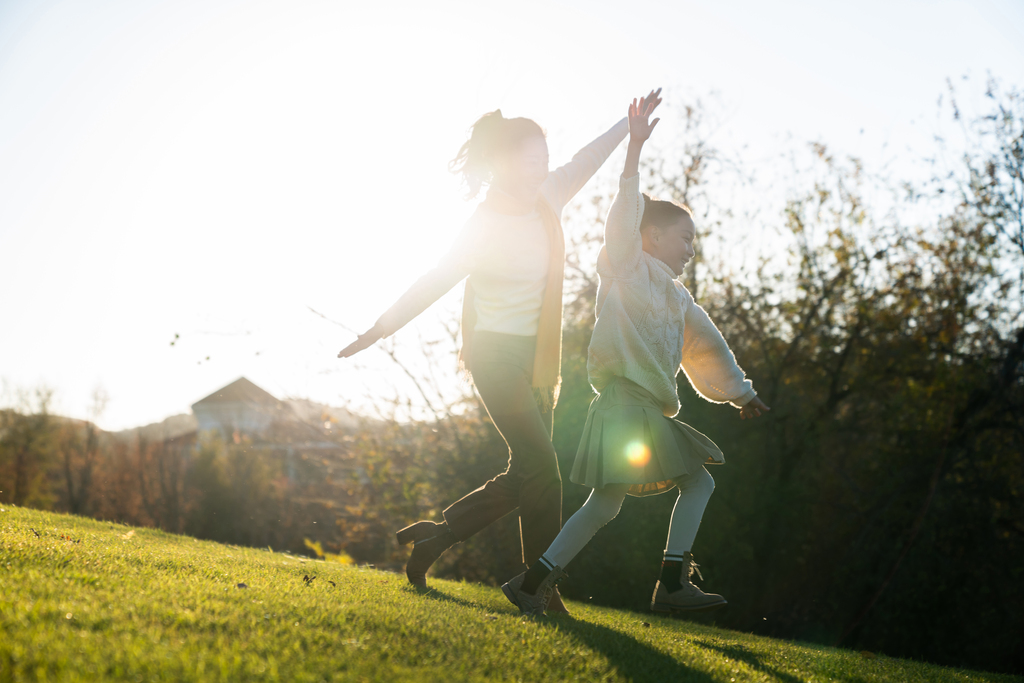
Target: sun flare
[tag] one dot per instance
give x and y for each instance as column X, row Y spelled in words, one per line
column 638, row 454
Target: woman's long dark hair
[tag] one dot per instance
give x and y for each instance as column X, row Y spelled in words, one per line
column 492, row 135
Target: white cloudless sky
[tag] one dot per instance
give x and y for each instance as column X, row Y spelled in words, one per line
column 210, row 169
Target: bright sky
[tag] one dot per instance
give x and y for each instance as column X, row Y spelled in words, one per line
column 211, row 169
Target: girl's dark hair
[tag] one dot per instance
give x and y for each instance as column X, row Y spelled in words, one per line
column 492, row 135
column 662, row 213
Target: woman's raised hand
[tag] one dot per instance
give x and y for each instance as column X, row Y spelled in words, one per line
column 364, row 340
column 640, row 127
column 654, row 98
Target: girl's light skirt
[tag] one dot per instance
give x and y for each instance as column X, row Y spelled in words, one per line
column 628, row 440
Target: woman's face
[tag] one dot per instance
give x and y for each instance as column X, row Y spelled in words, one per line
column 525, row 168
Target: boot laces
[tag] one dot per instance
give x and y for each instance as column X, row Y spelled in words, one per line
column 692, row 567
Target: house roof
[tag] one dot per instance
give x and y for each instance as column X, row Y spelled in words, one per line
column 240, row 391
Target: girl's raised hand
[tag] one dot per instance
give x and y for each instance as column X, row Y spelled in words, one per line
column 640, row 127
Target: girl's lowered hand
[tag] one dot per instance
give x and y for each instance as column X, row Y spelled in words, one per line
column 753, row 409
column 639, row 114
column 367, row 338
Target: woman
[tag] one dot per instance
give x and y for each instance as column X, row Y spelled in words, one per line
column 513, row 252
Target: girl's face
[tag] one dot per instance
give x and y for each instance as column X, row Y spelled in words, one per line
column 524, row 169
column 673, row 245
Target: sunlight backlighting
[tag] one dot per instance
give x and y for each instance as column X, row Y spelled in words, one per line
column 208, row 172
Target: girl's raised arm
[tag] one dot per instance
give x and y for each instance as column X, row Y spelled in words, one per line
column 640, row 130
column 623, row 243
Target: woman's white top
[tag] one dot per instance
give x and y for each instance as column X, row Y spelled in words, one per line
column 506, row 257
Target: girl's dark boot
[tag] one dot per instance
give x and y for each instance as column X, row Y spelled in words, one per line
column 687, row 596
column 533, row 604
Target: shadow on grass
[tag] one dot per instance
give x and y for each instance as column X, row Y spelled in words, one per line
column 633, row 660
column 740, row 654
column 435, row 594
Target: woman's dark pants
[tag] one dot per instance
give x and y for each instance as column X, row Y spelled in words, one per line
column 502, row 369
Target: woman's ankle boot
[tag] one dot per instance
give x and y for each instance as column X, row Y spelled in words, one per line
column 425, row 552
column 419, row 531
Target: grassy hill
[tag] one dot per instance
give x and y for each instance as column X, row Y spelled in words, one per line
column 83, row 600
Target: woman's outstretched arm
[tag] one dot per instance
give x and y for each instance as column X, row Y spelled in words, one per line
column 564, row 182
column 455, row 266
column 364, row 340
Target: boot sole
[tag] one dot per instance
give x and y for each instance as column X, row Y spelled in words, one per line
column 511, row 598
column 668, row 609
column 419, row 582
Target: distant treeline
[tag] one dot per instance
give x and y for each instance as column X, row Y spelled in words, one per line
column 879, row 506
column 239, row 490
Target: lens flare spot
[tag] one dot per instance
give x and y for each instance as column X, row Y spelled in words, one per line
column 638, row 454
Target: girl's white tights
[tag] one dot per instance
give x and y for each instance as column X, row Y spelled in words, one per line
column 603, row 504
column 694, row 492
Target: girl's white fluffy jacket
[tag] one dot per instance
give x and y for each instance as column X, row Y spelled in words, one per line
column 648, row 324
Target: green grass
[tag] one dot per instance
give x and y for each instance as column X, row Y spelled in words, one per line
column 83, row 600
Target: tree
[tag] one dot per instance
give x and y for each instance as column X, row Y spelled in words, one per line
column 27, row 443
column 79, row 448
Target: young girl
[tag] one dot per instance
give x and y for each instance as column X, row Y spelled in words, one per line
column 648, row 325
column 513, row 251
